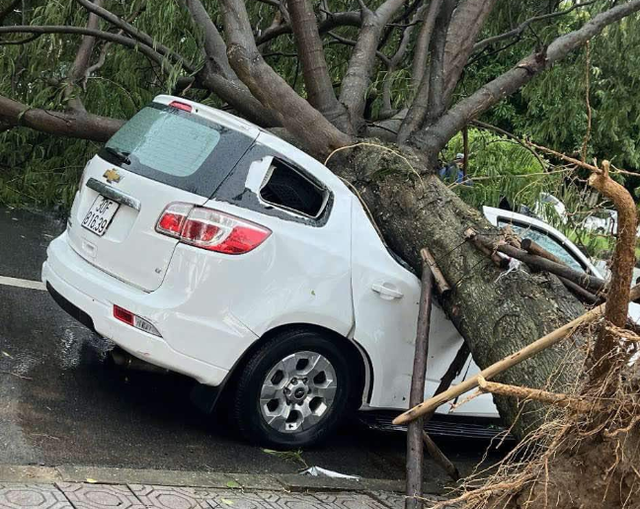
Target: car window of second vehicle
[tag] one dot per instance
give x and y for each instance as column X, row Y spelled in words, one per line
column 547, row 242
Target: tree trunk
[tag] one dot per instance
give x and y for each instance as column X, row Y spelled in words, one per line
column 497, row 313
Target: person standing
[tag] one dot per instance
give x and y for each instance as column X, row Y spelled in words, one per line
column 453, row 172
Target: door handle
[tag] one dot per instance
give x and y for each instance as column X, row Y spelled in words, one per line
column 387, row 291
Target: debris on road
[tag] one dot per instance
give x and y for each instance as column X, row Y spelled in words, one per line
column 323, row 472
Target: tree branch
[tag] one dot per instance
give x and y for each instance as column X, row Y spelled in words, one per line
column 138, row 35
column 333, row 20
column 429, row 94
column 102, row 57
column 81, row 63
column 356, row 80
column 466, row 23
column 314, row 65
column 63, row 29
column 424, row 41
column 214, row 46
column 433, row 138
column 519, row 30
column 21, row 41
column 317, row 134
column 73, row 124
column 396, row 59
column 219, row 77
column 606, row 354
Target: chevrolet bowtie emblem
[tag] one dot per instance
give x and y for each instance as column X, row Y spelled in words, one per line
column 112, row 175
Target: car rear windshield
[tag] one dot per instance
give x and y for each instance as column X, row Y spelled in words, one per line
column 177, row 148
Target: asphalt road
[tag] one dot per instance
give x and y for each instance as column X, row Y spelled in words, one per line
column 62, row 403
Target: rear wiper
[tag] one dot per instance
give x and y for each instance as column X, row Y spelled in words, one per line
column 123, row 156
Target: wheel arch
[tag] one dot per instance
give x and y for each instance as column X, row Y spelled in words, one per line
column 356, row 354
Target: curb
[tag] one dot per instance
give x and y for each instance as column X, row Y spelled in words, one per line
column 274, row 482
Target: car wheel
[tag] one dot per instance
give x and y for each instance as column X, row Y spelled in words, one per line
column 294, row 390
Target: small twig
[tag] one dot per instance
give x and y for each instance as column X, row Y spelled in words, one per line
column 587, row 135
column 485, row 491
column 44, row 435
column 524, row 143
column 17, row 375
column 438, row 276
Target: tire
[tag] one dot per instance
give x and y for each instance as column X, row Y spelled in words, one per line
column 319, row 380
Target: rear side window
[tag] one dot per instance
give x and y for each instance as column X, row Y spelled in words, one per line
column 177, row 148
column 288, row 188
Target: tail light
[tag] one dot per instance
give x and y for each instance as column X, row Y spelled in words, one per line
column 180, row 106
column 173, row 218
column 210, row 229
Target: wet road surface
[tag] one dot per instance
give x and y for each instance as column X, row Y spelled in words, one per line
column 62, row 403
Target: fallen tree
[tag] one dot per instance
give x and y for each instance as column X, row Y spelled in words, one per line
column 394, row 178
column 585, row 456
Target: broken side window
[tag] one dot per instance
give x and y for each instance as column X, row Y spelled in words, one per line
column 293, row 190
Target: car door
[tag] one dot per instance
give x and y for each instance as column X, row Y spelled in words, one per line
column 385, row 302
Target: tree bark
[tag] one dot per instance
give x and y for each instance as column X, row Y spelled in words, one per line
column 317, row 134
column 318, row 82
column 76, row 124
column 497, row 314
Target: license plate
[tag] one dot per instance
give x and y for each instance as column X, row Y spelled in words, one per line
column 100, row 215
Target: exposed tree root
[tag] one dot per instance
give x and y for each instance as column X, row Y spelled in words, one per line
column 582, row 405
column 586, row 456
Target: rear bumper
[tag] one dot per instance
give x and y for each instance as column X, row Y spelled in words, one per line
column 89, row 294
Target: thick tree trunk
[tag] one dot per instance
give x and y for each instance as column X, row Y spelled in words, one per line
column 497, row 313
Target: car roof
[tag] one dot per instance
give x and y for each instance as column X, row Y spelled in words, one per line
column 218, row 116
column 264, row 137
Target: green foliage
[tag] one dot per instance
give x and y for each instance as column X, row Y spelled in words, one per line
column 36, row 168
column 500, row 168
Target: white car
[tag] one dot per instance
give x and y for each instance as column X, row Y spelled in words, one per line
column 205, row 245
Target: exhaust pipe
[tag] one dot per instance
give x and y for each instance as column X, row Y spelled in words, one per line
column 127, row 361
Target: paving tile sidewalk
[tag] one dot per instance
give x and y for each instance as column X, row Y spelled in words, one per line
column 67, row 495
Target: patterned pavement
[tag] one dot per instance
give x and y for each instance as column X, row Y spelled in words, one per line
column 136, row 496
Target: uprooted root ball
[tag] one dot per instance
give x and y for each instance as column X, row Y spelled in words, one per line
column 575, row 460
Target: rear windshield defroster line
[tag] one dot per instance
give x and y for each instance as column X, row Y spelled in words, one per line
column 176, row 148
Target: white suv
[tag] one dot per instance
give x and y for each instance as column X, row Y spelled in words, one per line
column 202, row 244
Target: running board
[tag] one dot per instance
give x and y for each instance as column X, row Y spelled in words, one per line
column 439, row 427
